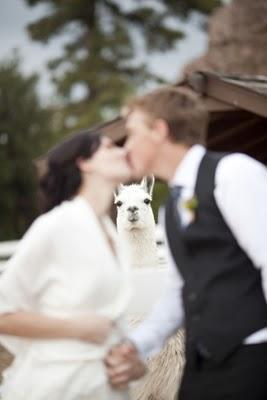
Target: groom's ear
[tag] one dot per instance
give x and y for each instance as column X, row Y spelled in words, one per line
column 161, row 129
column 148, row 184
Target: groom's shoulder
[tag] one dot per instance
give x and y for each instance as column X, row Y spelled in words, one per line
column 239, row 167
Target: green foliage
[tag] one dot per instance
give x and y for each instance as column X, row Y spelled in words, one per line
column 24, row 134
column 184, row 7
column 100, row 51
column 160, row 195
column 99, row 55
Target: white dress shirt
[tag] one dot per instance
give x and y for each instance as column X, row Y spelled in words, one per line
column 241, row 196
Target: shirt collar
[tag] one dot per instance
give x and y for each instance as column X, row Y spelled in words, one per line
column 186, row 173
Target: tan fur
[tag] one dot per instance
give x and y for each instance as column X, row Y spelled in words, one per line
column 164, row 373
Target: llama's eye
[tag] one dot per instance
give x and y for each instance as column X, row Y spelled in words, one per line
column 147, row 201
column 119, row 203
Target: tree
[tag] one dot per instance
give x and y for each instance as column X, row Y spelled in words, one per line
column 24, row 134
column 99, row 56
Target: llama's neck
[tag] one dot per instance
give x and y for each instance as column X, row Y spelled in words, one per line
column 141, row 246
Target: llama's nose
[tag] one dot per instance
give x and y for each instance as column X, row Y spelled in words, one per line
column 132, row 209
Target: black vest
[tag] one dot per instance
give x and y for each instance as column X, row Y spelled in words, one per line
column 222, row 293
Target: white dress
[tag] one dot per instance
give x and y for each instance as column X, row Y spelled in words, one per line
column 64, row 267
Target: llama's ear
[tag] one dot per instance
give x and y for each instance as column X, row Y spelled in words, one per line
column 148, row 184
column 118, row 190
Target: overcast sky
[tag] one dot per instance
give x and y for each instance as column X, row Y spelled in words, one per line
column 15, row 15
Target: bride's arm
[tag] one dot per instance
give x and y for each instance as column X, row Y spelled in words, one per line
column 21, row 288
column 91, row 328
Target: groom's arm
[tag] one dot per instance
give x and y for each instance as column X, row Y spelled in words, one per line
column 125, row 362
column 241, row 195
column 167, row 316
column 164, row 320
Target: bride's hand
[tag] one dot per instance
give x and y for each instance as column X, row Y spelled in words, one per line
column 93, row 328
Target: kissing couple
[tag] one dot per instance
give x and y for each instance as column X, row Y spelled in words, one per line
column 65, row 292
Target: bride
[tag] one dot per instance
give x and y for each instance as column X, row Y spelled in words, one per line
column 64, row 292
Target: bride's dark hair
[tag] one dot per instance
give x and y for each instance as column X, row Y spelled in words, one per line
column 62, row 178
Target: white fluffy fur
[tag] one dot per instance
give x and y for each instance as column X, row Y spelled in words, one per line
column 165, row 369
column 137, row 229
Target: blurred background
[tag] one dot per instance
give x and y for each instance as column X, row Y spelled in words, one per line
column 70, row 64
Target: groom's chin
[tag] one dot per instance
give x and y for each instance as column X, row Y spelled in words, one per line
column 142, row 170
column 136, row 171
column 137, row 166
column 137, row 175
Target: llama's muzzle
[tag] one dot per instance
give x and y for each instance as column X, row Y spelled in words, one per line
column 133, row 216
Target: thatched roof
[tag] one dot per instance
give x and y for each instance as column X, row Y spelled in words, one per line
column 237, row 40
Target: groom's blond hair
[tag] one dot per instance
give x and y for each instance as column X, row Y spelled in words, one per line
column 180, row 108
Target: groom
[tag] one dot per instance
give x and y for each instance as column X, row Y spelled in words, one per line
column 216, row 227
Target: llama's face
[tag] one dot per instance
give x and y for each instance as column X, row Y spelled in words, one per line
column 133, row 205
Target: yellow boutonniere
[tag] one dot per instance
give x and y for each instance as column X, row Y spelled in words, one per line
column 191, row 206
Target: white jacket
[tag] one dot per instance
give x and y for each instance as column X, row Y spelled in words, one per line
column 63, row 267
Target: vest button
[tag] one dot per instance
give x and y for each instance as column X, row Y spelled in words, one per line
column 192, row 297
column 203, row 351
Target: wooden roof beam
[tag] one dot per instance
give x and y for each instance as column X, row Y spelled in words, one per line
column 239, row 96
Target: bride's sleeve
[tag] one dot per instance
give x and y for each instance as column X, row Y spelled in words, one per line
column 22, row 279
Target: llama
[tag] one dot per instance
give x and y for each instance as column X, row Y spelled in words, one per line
column 137, row 230
column 135, row 222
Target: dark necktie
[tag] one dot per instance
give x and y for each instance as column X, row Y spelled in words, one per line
column 173, row 200
column 176, row 192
